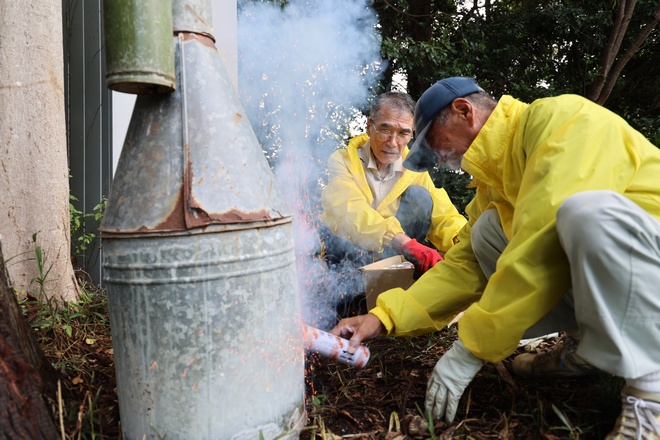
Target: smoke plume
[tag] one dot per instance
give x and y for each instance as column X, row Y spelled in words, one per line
column 304, row 70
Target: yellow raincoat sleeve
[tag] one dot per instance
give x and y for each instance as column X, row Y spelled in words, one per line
column 564, row 146
column 438, row 296
column 346, row 203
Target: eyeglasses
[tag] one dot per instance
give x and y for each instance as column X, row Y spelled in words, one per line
column 384, row 134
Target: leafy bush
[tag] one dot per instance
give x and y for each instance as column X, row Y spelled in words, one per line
column 81, row 237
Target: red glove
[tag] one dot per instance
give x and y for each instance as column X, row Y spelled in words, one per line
column 423, row 257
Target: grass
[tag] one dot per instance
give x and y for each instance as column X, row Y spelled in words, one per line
column 75, row 338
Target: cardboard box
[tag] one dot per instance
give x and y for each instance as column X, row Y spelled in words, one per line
column 381, row 276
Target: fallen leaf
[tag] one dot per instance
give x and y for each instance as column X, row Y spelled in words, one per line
column 395, row 436
column 504, row 374
column 418, row 426
column 449, row 433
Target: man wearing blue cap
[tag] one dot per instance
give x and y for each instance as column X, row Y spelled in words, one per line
column 563, row 235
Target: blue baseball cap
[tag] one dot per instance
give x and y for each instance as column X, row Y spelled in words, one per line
column 435, row 98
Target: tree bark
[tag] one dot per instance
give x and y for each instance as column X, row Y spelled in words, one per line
column 612, row 64
column 615, row 71
column 24, row 371
column 34, row 178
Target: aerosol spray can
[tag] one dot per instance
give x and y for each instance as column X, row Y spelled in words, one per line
column 334, row 347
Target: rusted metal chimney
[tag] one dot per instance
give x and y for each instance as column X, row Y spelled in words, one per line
column 199, row 262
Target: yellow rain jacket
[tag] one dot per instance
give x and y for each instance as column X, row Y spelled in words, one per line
column 526, row 160
column 347, row 200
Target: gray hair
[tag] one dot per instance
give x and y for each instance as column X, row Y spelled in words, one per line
column 481, row 100
column 393, row 100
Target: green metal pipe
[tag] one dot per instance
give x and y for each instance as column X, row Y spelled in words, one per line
column 139, row 46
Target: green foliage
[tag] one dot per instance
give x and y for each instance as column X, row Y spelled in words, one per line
column 87, row 416
column 42, row 272
column 574, row 432
column 418, row 41
column 62, row 319
column 456, row 184
column 528, row 49
column 81, row 237
column 318, row 400
column 75, row 337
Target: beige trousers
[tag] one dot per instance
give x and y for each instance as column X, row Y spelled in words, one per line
column 613, row 247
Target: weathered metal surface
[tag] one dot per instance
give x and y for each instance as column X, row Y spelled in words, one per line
column 191, row 158
column 200, row 268
column 206, row 334
column 192, row 16
column 138, row 46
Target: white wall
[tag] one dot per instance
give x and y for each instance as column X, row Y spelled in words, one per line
column 224, row 16
column 122, row 109
column 225, row 30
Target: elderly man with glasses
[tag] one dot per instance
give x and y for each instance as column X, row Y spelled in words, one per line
column 374, row 208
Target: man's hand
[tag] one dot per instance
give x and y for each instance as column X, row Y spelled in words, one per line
column 357, row 329
column 451, row 375
column 423, row 257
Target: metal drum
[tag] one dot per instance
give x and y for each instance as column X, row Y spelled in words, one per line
column 206, row 339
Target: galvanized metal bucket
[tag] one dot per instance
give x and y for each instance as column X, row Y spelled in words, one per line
column 206, row 334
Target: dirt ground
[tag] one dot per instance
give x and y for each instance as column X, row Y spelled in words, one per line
column 384, row 400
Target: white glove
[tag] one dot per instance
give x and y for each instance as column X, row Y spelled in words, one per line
column 451, row 375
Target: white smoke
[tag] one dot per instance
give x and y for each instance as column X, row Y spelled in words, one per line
column 304, row 69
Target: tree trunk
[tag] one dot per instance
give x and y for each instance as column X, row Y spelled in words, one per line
column 421, row 32
column 34, row 178
column 25, row 373
column 611, row 63
column 634, row 46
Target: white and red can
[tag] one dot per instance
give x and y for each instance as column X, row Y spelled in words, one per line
column 333, row 347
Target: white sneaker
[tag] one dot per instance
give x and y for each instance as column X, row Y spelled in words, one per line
column 640, row 416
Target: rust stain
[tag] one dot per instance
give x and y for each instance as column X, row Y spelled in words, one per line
column 237, row 118
column 188, row 212
column 189, row 215
column 196, row 217
column 201, row 38
column 175, row 221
